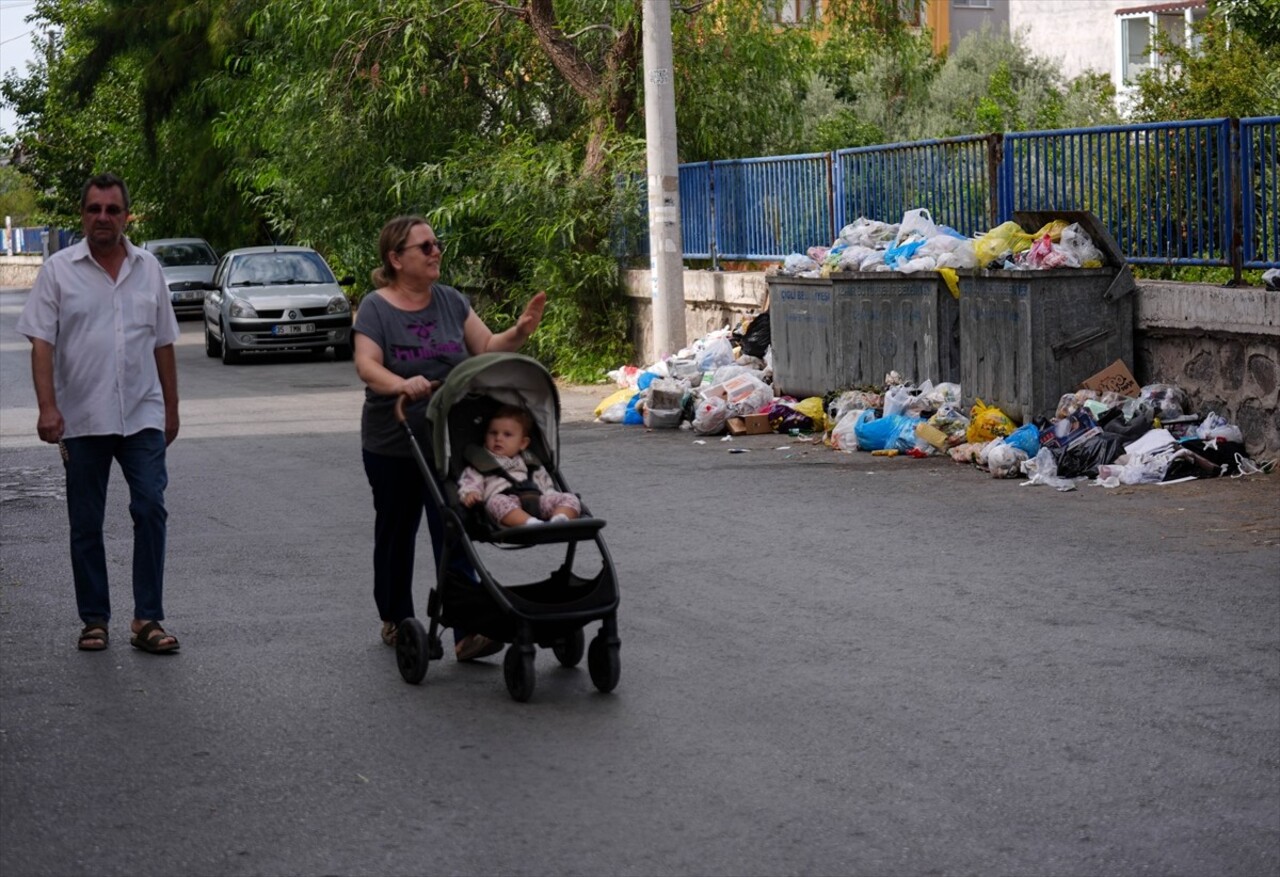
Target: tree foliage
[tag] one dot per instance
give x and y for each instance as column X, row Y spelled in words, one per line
column 1231, row 69
column 990, row 81
column 515, row 126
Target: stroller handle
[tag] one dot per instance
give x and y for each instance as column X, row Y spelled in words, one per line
column 402, row 398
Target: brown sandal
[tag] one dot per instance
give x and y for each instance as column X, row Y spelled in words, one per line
column 93, row 638
column 389, row 630
column 150, row 637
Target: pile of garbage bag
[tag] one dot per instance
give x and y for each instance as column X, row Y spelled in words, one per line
column 918, row 244
column 715, row 387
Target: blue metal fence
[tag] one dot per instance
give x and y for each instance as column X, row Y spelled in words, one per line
column 1204, row 192
column 1163, row 189
column 1260, row 191
column 696, row 210
column 951, row 177
column 769, row 205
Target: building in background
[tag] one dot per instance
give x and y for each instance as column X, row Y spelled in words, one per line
column 1114, row 37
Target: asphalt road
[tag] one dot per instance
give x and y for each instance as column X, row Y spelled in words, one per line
column 832, row 664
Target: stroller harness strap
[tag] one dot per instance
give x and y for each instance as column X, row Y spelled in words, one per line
column 523, row 489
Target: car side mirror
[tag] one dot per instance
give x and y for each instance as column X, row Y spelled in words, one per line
column 347, row 281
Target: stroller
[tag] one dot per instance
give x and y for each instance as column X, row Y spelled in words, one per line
column 548, row 613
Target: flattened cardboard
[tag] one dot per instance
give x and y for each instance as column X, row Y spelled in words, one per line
column 1114, row 378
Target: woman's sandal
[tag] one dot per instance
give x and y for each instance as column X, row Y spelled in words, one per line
column 93, row 638
column 150, row 638
column 389, row 629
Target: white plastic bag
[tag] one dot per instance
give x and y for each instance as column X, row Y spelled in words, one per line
column 796, row 263
column 710, row 415
column 844, row 436
column 896, row 399
column 718, row 352
column 1215, row 426
column 916, row 223
column 1079, row 249
column 1004, row 460
column 1043, row 469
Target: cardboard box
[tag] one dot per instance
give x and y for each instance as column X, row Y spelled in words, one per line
column 737, row 389
column 751, row 424
column 1114, row 378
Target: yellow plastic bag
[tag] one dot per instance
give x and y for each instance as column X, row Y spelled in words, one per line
column 623, row 395
column 1001, row 242
column 1052, row 229
column 987, row 422
column 952, row 280
column 812, row 408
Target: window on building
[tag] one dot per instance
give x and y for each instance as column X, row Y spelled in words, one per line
column 972, row 4
column 1135, row 41
column 1138, row 49
column 797, row 11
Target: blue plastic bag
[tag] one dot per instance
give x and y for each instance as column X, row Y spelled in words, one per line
column 902, row 253
column 896, row 431
column 1026, row 439
column 634, row 417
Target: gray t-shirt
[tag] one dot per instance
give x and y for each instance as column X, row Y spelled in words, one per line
column 426, row 342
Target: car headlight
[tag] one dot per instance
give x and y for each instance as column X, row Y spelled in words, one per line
column 338, row 305
column 241, row 308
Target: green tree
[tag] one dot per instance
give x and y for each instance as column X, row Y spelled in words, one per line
column 17, row 197
column 1225, row 71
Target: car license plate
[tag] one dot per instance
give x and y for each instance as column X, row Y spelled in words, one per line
column 293, row 329
column 190, row 295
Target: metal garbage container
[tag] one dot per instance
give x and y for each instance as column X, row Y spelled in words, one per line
column 1027, row 337
column 803, row 335
column 888, row 321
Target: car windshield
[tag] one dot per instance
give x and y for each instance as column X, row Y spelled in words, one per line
column 276, row 269
column 173, row 255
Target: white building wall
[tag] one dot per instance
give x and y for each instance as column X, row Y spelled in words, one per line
column 1080, row 34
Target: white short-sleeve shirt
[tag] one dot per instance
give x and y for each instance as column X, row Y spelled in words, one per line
column 104, row 334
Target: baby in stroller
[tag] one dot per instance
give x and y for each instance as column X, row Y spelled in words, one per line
column 514, row 487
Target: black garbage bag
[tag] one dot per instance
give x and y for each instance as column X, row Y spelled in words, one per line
column 756, row 340
column 1113, row 421
column 1215, row 454
column 1084, row 457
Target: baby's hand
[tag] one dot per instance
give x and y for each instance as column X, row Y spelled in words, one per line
column 469, row 499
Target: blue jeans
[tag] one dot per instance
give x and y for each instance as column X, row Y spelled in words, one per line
column 142, row 460
column 400, row 497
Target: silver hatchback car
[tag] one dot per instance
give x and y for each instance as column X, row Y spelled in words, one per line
column 270, row 299
column 188, row 265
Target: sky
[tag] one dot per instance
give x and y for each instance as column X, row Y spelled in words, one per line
column 15, row 47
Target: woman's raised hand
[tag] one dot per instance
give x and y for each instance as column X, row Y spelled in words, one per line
column 532, row 315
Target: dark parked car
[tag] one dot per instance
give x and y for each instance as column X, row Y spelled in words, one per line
column 269, row 299
column 188, row 265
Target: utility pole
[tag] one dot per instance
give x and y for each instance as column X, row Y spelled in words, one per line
column 666, row 247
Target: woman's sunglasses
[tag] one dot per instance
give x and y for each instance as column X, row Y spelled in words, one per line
column 427, row 247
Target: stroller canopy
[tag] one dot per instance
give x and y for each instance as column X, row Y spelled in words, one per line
column 509, row 378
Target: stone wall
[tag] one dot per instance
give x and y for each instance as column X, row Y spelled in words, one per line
column 1220, row 345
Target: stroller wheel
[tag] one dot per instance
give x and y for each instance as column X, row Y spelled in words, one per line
column 412, row 650
column 569, row 651
column 517, row 670
column 604, row 663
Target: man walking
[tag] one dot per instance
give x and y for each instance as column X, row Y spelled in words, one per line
column 102, row 331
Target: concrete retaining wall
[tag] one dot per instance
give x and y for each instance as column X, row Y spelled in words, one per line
column 1222, row 346
column 19, row 271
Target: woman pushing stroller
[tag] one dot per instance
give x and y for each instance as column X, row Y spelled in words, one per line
column 409, row 334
